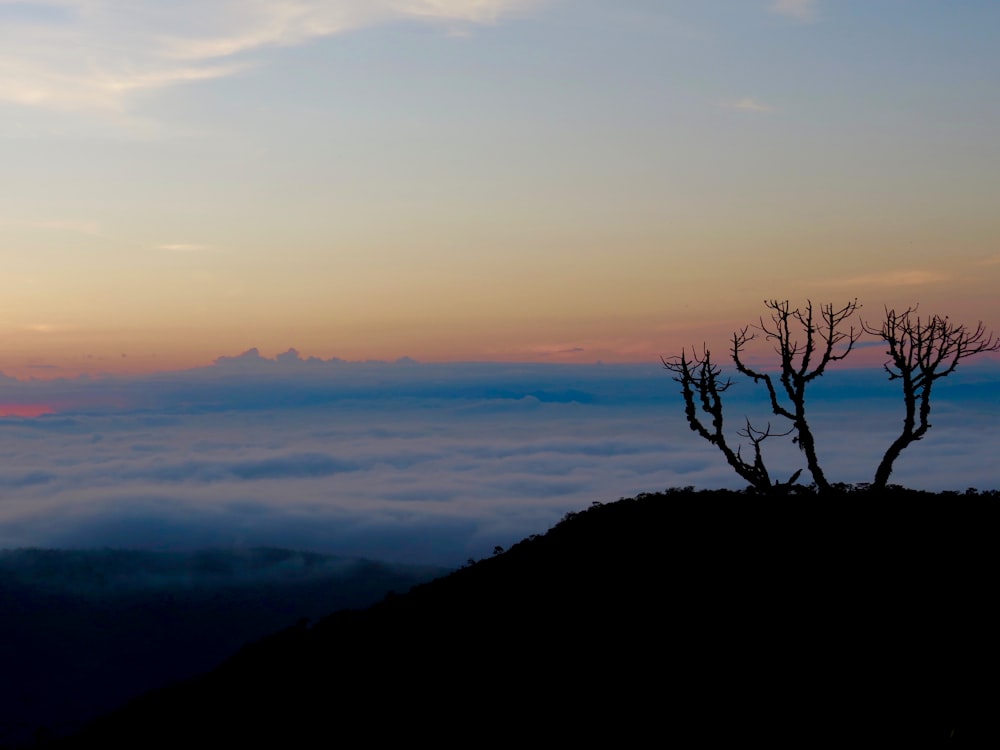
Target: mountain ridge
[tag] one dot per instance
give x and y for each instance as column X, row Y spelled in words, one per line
column 688, row 615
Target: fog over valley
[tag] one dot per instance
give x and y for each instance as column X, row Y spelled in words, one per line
column 411, row 462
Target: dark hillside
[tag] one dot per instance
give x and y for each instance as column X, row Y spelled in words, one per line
column 688, row 616
column 82, row 631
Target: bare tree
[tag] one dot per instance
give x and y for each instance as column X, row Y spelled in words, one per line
column 702, row 388
column 806, row 341
column 922, row 351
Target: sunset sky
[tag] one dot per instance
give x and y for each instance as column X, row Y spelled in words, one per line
column 517, row 180
column 214, row 212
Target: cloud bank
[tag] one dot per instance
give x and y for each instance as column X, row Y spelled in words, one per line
column 412, row 462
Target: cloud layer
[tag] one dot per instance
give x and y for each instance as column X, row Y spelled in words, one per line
column 412, row 462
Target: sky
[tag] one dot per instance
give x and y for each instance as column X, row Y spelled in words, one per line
column 482, row 180
column 394, row 277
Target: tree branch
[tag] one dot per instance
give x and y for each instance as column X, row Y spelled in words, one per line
column 702, row 387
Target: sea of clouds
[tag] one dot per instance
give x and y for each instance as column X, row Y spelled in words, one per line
column 428, row 463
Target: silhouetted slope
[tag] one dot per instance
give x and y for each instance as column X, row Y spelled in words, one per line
column 688, row 616
column 83, row 631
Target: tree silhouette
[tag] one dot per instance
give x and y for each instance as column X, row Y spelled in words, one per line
column 701, row 386
column 922, row 351
column 807, row 340
column 802, row 361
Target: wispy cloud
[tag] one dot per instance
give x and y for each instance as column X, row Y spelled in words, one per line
column 44, row 328
column 91, row 228
column 92, row 55
column 803, row 10
column 747, row 104
column 184, row 247
column 911, row 277
column 554, row 350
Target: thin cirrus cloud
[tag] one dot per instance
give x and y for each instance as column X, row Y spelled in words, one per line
column 88, row 55
column 747, row 104
column 184, row 247
column 803, row 10
column 85, row 227
column 47, row 328
column 910, row 277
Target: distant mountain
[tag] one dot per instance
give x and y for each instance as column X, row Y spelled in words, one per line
column 680, row 617
column 82, row 631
